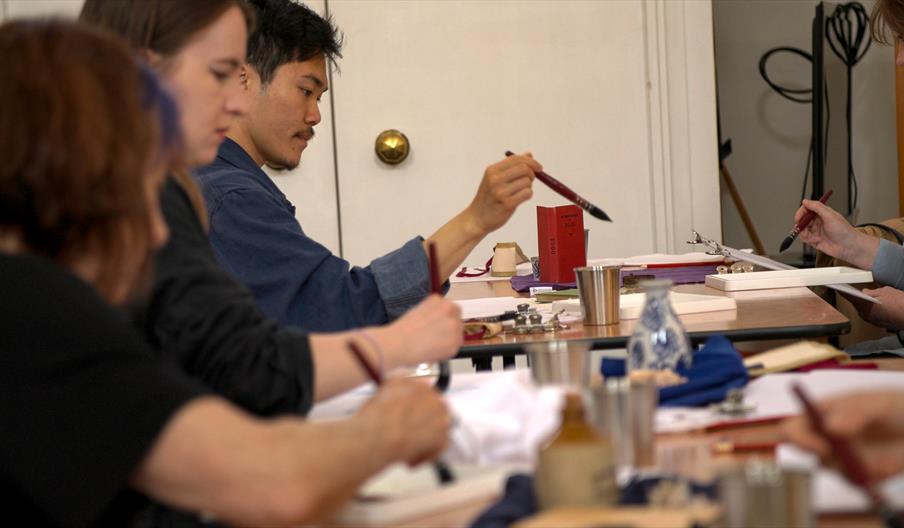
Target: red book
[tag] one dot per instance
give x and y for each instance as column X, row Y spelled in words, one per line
column 560, row 241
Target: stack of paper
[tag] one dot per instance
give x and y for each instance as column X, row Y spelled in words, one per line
column 631, row 304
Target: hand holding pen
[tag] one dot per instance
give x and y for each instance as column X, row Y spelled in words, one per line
column 566, row 192
column 853, row 467
column 802, row 222
column 417, row 419
column 829, row 232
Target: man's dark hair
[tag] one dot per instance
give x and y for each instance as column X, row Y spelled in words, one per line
column 289, row 32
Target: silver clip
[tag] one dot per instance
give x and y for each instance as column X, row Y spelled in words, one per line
column 716, row 248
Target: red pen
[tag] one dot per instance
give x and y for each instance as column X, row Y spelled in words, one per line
column 743, row 422
column 442, row 470
column 436, row 286
column 802, row 224
column 568, row 194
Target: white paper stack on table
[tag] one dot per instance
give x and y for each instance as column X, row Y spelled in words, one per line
column 631, row 304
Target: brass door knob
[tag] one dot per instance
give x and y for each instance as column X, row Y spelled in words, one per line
column 392, row 147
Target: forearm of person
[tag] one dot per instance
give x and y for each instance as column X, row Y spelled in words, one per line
column 454, row 242
column 212, row 458
column 863, row 252
column 336, row 370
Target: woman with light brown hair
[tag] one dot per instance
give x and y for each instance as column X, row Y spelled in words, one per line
column 94, row 424
column 198, row 315
column 873, row 421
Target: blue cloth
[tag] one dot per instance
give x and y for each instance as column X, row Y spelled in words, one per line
column 519, row 500
column 716, row 368
column 295, row 280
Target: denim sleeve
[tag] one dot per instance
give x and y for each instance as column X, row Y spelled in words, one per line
column 298, row 281
column 402, row 277
column 888, row 268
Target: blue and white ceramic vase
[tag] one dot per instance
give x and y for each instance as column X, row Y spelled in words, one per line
column 659, row 340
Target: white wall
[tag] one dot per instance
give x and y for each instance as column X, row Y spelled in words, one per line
column 27, row 8
column 770, row 134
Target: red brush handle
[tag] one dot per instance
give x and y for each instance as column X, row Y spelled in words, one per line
column 851, row 464
column 372, row 373
column 810, row 215
column 436, row 286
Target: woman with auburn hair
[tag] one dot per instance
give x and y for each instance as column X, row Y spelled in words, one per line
column 90, row 415
column 198, row 314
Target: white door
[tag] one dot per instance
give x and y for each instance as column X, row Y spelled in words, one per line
column 584, row 85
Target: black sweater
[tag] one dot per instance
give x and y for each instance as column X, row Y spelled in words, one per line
column 200, row 317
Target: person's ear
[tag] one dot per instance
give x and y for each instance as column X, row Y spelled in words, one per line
column 243, row 77
column 154, row 59
column 247, row 77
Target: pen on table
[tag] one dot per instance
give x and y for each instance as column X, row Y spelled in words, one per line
column 568, row 194
column 743, row 422
column 851, row 465
column 442, row 470
column 802, row 224
column 726, row 447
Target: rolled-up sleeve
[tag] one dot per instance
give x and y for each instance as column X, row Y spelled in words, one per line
column 403, row 277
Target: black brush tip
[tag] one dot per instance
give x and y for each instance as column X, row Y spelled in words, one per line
column 599, row 213
column 786, row 243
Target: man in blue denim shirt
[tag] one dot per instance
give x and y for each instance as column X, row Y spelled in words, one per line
column 253, row 228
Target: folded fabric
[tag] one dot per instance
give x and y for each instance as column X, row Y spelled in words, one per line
column 519, row 500
column 503, row 421
column 716, row 368
column 886, row 345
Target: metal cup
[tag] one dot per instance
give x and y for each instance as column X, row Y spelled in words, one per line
column 610, row 413
column 598, row 288
column 625, row 412
column 560, row 362
column 644, row 400
column 759, row 494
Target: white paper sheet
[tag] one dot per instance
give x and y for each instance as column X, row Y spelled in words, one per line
column 631, row 304
column 489, row 306
column 772, row 396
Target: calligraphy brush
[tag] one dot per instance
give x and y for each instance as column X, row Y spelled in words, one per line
column 802, row 224
column 568, row 194
column 443, row 473
column 436, row 286
column 852, row 466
